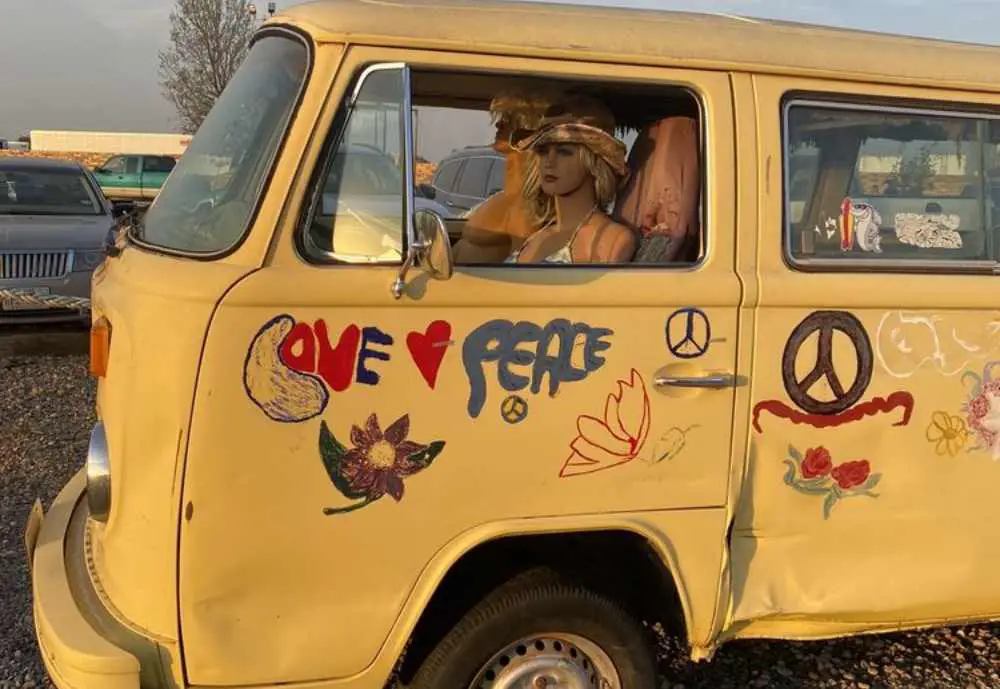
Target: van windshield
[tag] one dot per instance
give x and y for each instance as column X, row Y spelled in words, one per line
column 206, row 203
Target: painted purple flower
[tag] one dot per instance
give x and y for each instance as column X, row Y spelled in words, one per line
column 378, row 462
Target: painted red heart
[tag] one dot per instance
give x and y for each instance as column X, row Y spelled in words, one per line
column 428, row 349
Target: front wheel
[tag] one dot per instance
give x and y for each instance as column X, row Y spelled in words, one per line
column 532, row 635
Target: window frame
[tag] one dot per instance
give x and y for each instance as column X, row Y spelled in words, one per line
column 333, row 139
column 310, row 255
column 886, row 106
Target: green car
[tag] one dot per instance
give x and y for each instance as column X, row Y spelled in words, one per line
column 134, row 178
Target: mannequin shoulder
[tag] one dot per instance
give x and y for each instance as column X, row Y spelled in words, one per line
column 618, row 235
column 612, row 240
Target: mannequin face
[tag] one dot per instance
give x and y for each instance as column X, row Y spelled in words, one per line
column 562, row 169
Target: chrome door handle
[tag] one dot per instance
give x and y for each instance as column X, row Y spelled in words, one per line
column 715, row 380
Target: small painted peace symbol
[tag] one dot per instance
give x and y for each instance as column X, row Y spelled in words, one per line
column 697, row 333
column 514, row 409
column 825, row 322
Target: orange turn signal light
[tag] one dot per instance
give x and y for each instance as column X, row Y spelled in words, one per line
column 100, row 347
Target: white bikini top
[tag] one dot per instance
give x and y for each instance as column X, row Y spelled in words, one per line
column 563, row 254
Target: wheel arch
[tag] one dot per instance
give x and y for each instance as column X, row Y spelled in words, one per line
column 431, row 607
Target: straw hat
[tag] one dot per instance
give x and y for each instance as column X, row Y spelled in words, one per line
column 580, row 121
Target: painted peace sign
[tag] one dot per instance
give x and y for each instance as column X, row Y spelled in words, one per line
column 514, row 409
column 825, row 322
column 697, row 333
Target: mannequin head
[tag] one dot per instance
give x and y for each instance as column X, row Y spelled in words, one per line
column 573, row 152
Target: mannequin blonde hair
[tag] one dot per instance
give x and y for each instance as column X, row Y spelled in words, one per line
column 542, row 207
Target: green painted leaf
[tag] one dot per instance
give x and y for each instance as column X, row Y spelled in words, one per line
column 790, row 474
column 424, row 458
column 344, row 510
column 811, row 490
column 872, row 482
column 794, row 453
column 828, row 504
column 332, row 454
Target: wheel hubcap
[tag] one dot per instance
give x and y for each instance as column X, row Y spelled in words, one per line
column 549, row 661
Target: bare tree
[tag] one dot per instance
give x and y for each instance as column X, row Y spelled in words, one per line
column 209, row 39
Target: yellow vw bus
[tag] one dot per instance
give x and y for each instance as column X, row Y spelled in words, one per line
column 710, row 339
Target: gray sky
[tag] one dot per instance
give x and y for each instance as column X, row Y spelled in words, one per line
column 91, row 64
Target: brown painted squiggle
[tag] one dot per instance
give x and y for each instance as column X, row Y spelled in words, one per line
column 877, row 405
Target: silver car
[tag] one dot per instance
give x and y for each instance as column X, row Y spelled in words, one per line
column 54, row 220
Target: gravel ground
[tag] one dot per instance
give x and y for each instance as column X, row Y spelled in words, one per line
column 46, row 412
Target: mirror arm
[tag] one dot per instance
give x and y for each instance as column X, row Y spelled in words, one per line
column 400, row 282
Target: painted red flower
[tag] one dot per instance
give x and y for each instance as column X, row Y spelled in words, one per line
column 851, row 474
column 618, row 437
column 378, row 462
column 817, row 462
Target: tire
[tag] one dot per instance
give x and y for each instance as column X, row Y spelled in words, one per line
column 537, row 618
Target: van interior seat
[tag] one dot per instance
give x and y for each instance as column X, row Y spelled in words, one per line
column 662, row 198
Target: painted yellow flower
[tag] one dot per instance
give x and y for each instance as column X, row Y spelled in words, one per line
column 949, row 433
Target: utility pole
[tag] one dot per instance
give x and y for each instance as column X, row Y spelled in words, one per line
column 272, row 7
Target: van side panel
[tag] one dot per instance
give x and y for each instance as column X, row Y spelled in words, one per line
column 855, row 515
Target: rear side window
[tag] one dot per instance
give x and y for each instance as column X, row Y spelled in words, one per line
column 157, row 164
column 496, row 181
column 207, row 202
column 474, row 176
column 445, row 177
column 877, row 185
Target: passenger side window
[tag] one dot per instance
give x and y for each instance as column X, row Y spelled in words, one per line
column 867, row 184
column 631, row 151
column 131, row 165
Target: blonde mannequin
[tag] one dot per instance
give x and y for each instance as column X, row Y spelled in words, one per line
column 574, row 170
column 502, row 222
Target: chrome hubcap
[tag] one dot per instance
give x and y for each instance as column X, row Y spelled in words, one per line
column 549, row 661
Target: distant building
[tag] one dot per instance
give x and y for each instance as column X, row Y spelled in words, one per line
column 108, row 142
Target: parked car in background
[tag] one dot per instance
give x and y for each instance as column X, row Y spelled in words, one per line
column 466, row 178
column 53, row 224
column 134, row 178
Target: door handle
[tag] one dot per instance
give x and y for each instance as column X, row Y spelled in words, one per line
column 713, row 380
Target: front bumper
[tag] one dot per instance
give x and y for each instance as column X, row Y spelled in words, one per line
column 75, row 654
column 76, row 284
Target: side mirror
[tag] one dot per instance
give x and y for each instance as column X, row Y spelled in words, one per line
column 101, row 170
column 436, row 255
column 427, row 191
column 431, row 250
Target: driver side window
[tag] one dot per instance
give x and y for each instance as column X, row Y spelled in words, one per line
column 115, row 165
column 357, row 208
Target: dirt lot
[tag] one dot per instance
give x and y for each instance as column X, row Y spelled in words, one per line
column 46, row 412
